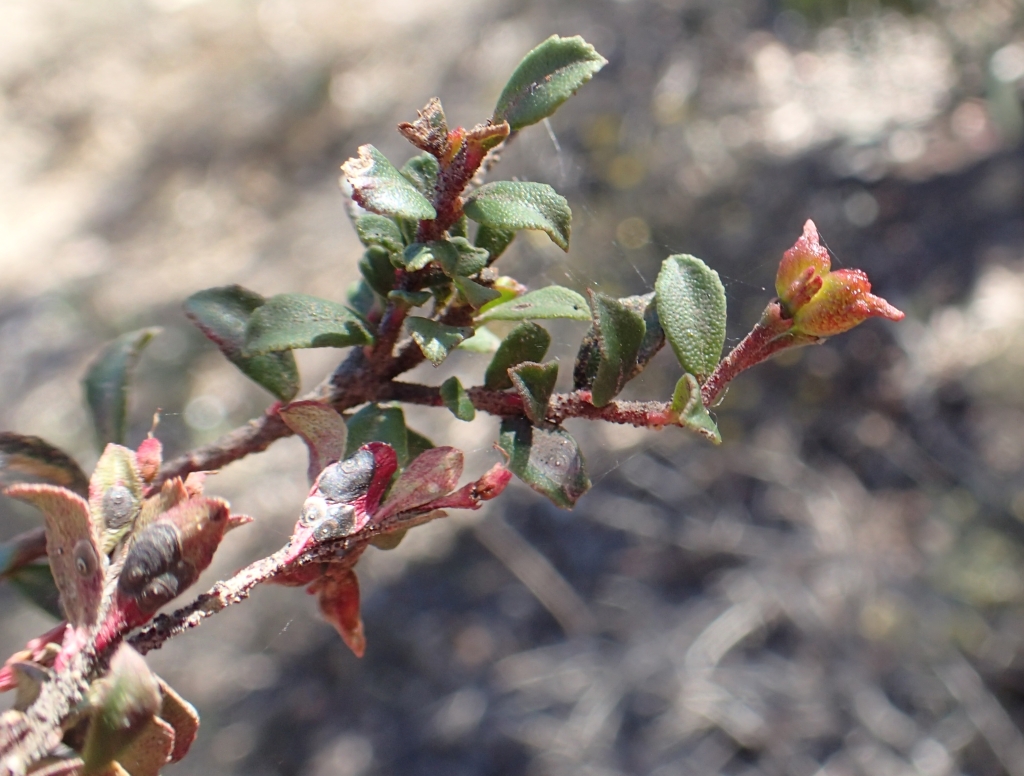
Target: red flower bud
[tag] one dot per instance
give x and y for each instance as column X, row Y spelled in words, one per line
column 801, row 270
column 844, row 300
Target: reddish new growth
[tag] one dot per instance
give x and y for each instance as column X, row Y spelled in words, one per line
column 459, row 154
column 814, row 303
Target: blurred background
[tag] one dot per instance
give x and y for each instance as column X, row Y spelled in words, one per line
column 837, row 589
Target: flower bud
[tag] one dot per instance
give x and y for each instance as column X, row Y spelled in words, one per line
column 844, row 300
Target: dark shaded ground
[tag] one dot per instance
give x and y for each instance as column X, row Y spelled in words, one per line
column 835, row 590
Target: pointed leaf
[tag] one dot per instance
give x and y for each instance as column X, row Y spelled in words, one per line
column 457, row 400
column 535, row 384
column 546, row 459
column 376, row 423
column 290, row 321
column 321, row 428
column 378, row 187
column 476, row 294
column 688, row 406
column 494, row 241
column 435, row 339
column 124, row 702
column 150, row 751
column 545, row 78
column 180, row 715
column 526, row 342
column 691, row 308
column 29, row 458
column 482, row 341
column 222, row 314
column 513, row 205
column 35, row 582
column 338, row 596
column 619, row 334
column 106, row 383
column 380, row 230
column 115, row 495
column 73, row 548
column 431, row 475
column 377, row 266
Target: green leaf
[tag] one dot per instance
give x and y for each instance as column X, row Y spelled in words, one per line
column 546, row 459
column 547, row 77
column 512, row 205
column 222, row 315
column 494, row 241
column 691, row 308
column 588, row 359
column 476, row 294
column 289, row 321
column 619, row 334
column 409, row 298
column 29, row 458
column 35, row 582
column 422, row 172
column 535, row 383
column 115, row 494
column 321, row 428
column 378, row 423
column 106, row 383
column 419, row 255
column 363, row 299
column 688, row 406
column 418, row 444
column 457, row 400
column 378, row 187
column 483, row 341
column 526, row 342
column 378, row 269
column 542, row 304
column 460, row 228
column 436, row 340
column 123, row 703
column 468, row 260
column 379, row 230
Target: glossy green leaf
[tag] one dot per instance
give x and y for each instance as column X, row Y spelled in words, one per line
column 422, row 171
column 476, row 294
column 290, row 321
column 691, row 308
column 379, row 230
column 29, row 458
column 222, row 314
column 526, row 342
column 546, row 459
column 35, row 582
column 377, row 266
column 494, row 241
column 535, row 383
column 688, row 406
column 73, row 547
column 619, row 334
column 544, row 303
column 321, row 428
column 513, row 205
column 378, row 423
column 106, row 383
column 482, row 341
column 123, row 703
column 378, row 187
column 457, row 400
column 545, row 78
column 435, row 339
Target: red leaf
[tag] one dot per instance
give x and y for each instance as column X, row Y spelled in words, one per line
column 338, row 595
